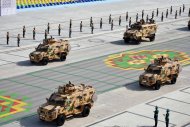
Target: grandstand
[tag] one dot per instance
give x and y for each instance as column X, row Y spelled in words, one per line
column 21, row 4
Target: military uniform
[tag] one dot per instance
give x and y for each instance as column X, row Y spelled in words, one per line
column 92, row 28
column 101, row 23
column 147, row 18
column 110, row 19
column 129, row 21
column 167, row 13
column 167, row 117
column 112, row 25
column 176, row 14
column 142, row 14
column 157, row 12
column 137, row 16
column 34, row 33
column 171, row 10
column 70, row 25
column 24, row 31
column 48, row 28
column 91, row 21
column 81, row 26
column 7, row 38
column 180, row 11
column 120, row 20
column 162, row 17
column 156, row 116
column 127, row 16
column 183, row 7
column 152, row 14
column 189, row 12
column 70, row 32
column 59, row 29
column 18, row 40
column 46, row 34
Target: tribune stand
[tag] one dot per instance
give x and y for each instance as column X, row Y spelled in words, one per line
column 7, row 7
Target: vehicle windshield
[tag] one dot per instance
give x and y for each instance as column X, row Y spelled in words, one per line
column 136, row 27
column 56, row 99
column 42, row 48
column 153, row 70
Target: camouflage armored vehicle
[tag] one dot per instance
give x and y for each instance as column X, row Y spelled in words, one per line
column 139, row 31
column 162, row 71
column 189, row 25
column 69, row 100
column 51, row 49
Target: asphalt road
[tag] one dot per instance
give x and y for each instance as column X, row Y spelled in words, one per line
column 36, row 86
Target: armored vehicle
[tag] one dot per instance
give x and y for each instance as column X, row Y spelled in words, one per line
column 162, row 70
column 51, row 49
column 69, row 100
column 140, row 30
column 189, row 25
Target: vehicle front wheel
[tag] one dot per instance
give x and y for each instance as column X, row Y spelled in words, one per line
column 173, row 80
column 63, row 57
column 157, row 85
column 60, row 120
column 86, row 111
column 152, row 38
column 44, row 61
column 126, row 40
column 141, row 85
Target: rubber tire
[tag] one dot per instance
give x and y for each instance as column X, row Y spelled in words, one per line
column 86, row 111
column 63, row 57
column 44, row 61
column 60, row 120
column 189, row 27
column 138, row 42
column 173, row 80
column 126, row 40
column 141, row 85
column 152, row 38
column 157, row 85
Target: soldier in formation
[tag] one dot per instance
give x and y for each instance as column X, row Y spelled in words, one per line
column 119, row 20
column 48, row 28
column 59, row 29
column 45, row 34
column 142, row 14
column 81, row 26
column 112, row 25
column 101, row 23
column 110, row 19
column 156, row 116
column 91, row 21
column 34, row 33
column 157, row 12
column 147, row 18
column 137, row 16
column 176, row 14
column 24, row 31
column 167, row 13
column 162, row 17
column 18, row 40
column 92, row 28
column 129, row 21
column 70, row 32
column 171, row 10
column 152, row 14
column 127, row 16
column 167, row 117
column 7, row 38
column 189, row 12
column 183, row 7
column 70, row 24
column 180, row 11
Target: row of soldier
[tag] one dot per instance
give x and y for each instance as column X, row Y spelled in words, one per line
column 101, row 23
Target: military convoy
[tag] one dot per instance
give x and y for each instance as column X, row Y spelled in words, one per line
column 188, row 25
column 140, row 30
column 162, row 70
column 51, row 49
column 69, row 100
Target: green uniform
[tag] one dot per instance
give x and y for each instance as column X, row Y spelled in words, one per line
column 156, row 116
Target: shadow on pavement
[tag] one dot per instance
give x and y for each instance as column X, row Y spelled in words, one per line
column 135, row 87
column 25, row 63
column 183, row 29
column 121, row 42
